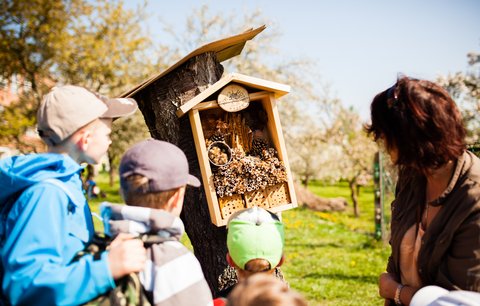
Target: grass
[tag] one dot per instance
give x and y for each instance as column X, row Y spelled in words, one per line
column 330, row 263
column 331, row 257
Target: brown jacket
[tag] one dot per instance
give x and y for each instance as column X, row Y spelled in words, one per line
column 450, row 253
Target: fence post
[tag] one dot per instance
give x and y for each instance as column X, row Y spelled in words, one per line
column 379, row 197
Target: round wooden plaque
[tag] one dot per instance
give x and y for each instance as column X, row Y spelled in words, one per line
column 233, row 98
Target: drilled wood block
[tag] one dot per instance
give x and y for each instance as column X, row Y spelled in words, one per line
column 231, row 204
column 277, row 195
column 256, row 198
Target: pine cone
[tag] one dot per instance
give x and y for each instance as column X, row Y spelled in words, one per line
column 258, row 145
column 217, row 137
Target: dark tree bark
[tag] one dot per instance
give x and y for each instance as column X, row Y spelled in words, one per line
column 158, row 103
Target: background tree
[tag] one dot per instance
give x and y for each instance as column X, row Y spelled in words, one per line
column 32, row 33
column 16, row 121
column 99, row 45
column 348, row 153
column 358, row 151
column 465, row 88
column 306, row 162
column 109, row 54
column 108, row 48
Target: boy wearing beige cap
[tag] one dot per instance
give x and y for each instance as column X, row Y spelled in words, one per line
column 153, row 178
column 45, row 219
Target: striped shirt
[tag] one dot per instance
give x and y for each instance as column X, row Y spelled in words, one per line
column 172, row 274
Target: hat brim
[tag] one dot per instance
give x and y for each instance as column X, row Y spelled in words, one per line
column 119, row 107
column 193, row 181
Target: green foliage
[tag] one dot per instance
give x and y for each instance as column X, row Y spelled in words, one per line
column 106, row 48
column 14, row 122
column 32, row 34
column 99, row 45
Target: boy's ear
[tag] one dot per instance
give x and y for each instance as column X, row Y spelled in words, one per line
column 281, row 261
column 83, row 139
column 176, row 199
column 172, row 202
column 86, row 137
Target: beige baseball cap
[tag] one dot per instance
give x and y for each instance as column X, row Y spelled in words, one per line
column 65, row 109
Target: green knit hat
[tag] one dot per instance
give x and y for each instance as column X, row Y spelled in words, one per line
column 255, row 233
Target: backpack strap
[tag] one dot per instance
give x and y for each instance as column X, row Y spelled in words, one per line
column 8, row 205
column 150, row 239
column 60, row 185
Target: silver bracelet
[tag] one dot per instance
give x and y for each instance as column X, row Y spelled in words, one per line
column 397, row 295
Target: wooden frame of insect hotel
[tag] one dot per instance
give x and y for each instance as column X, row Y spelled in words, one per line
column 240, row 146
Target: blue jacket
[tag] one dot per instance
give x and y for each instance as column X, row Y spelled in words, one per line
column 44, row 230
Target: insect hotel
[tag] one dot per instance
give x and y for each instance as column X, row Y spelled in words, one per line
column 237, row 136
column 240, row 146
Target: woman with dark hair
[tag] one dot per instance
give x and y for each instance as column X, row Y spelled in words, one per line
column 435, row 225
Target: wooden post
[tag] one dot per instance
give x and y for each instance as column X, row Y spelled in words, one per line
column 379, row 197
column 158, row 103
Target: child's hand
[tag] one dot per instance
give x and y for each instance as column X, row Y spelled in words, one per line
column 126, row 255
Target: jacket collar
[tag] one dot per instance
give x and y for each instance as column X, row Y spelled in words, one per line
column 462, row 166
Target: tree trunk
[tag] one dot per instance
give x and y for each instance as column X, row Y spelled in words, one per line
column 305, row 180
column 353, row 193
column 158, row 104
column 111, row 171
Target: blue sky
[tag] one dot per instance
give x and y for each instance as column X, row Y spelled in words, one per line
column 359, row 47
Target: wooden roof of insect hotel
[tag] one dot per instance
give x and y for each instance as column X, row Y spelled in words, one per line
column 248, row 81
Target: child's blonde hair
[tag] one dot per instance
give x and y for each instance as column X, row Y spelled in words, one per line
column 264, row 290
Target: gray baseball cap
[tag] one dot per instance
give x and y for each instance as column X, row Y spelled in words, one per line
column 163, row 163
column 65, row 109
